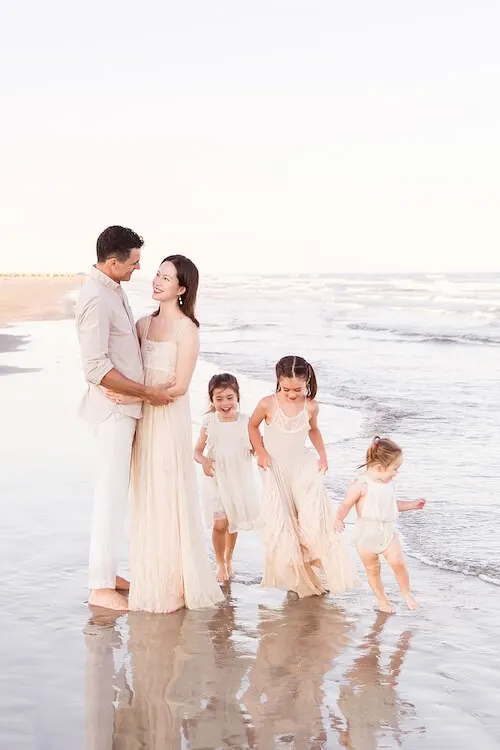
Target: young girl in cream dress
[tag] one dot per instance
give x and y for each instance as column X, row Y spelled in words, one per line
column 302, row 551
column 225, row 454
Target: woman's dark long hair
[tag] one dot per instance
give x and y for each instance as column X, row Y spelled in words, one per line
column 188, row 277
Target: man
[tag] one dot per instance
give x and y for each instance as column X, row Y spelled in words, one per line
column 111, row 357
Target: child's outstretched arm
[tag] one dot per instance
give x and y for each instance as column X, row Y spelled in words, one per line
column 206, row 463
column 259, row 415
column 316, row 437
column 353, row 495
column 411, row 504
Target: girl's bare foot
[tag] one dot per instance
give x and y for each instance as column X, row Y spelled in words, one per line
column 229, row 568
column 411, row 603
column 108, row 599
column 384, row 605
column 222, row 576
column 122, row 584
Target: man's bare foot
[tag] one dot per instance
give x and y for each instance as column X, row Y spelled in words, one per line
column 229, row 568
column 411, row 603
column 384, row 605
column 222, row 575
column 108, row 599
column 122, row 584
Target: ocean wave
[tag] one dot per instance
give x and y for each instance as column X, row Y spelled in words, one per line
column 486, row 573
column 238, row 326
column 421, row 336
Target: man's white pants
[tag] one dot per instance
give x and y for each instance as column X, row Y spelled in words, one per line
column 114, row 439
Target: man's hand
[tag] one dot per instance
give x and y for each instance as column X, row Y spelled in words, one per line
column 120, row 398
column 158, row 395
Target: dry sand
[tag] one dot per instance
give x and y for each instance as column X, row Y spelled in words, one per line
column 26, row 298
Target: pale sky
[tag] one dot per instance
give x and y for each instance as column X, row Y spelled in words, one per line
column 258, row 136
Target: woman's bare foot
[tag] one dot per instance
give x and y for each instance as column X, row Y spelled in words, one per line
column 229, row 568
column 122, row 584
column 222, row 575
column 411, row 603
column 384, row 605
column 108, row 599
column 171, row 611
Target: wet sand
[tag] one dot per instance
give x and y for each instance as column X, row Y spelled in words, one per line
column 31, row 298
column 263, row 671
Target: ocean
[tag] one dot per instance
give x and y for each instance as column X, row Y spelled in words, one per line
column 414, row 357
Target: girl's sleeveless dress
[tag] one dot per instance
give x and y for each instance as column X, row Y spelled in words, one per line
column 168, row 558
column 376, row 524
column 302, row 551
column 231, row 494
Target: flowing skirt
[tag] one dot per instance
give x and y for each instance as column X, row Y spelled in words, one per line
column 169, row 562
column 302, row 551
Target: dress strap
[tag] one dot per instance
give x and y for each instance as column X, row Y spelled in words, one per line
column 143, row 326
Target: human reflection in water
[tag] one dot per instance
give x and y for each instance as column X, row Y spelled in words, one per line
column 103, row 640
column 172, row 664
column 223, row 720
column 287, row 690
column 369, row 698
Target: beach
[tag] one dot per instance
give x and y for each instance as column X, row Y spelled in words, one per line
column 264, row 670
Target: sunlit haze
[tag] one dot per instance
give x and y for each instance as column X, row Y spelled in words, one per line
column 271, row 136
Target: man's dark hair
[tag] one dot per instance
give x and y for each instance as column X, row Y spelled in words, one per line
column 117, row 242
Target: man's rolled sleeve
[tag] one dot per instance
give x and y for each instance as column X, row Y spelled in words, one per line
column 93, row 333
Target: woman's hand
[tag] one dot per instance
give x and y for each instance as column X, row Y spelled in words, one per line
column 207, row 464
column 263, row 459
column 338, row 526
column 119, row 398
column 419, row 503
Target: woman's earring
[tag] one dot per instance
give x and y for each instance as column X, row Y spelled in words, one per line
column 180, row 300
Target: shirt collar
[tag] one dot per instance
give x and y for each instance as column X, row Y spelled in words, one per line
column 101, row 277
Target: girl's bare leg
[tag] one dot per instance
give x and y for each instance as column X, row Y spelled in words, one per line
column 395, row 557
column 228, row 551
column 371, row 562
column 219, row 542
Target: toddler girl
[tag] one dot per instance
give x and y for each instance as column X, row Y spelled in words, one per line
column 374, row 496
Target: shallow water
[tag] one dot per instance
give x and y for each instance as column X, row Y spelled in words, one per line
column 263, row 671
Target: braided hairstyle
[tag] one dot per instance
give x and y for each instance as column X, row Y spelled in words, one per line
column 297, row 367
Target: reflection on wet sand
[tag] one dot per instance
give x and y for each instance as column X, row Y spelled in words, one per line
column 369, row 699
column 297, row 647
column 102, row 640
column 183, row 678
column 193, row 680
